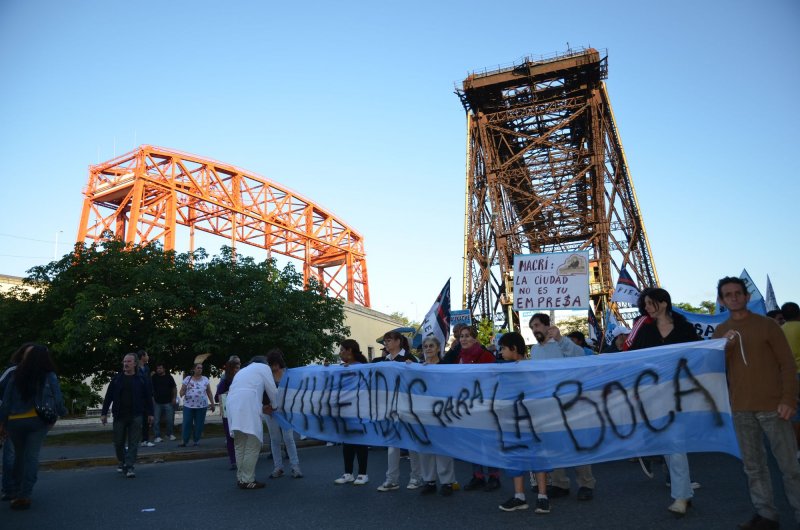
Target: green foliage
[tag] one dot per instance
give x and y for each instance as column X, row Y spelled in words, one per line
column 79, row 396
column 407, row 322
column 576, row 323
column 707, row 307
column 485, row 331
column 100, row 302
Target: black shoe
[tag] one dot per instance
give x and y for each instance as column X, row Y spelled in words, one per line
column 428, row 488
column 475, row 484
column 542, row 505
column 513, row 504
column 759, row 523
column 446, row 490
column 492, row 484
column 555, row 492
column 585, row 494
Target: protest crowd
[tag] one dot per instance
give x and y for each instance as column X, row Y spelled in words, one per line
column 762, row 355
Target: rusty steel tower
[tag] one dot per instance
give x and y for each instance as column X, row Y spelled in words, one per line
column 144, row 195
column 546, row 172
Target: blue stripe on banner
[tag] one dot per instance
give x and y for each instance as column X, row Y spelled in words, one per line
column 527, row 415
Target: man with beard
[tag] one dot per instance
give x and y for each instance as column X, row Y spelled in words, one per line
column 551, row 345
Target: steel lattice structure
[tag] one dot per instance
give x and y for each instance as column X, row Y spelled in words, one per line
column 546, row 172
column 144, row 195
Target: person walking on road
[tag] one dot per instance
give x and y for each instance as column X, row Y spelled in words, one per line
column 9, row 486
column 130, row 399
column 164, row 393
column 196, row 394
column 244, row 411
column 32, row 402
column 233, row 365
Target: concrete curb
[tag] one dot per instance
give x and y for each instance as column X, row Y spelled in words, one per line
column 151, row 458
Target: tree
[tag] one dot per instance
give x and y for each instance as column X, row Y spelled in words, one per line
column 707, row 307
column 102, row 301
column 407, row 322
column 576, row 323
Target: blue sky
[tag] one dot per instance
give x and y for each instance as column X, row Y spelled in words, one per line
column 351, row 104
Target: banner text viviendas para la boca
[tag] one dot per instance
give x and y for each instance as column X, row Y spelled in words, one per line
column 527, row 415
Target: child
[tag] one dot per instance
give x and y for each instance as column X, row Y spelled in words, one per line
column 513, row 349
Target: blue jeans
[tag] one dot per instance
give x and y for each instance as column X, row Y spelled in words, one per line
column 193, row 422
column 680, row 483
column 27, row 436
column 169, row 416
column 9, row 485
column 751, row 427
column 127, row 432
column 275, row 435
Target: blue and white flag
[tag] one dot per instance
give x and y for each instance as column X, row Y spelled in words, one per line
column 611, row 323
column 706, row 324
column 594, row 328
column 770, row 302
column 626, row 291
column 525, row 415
column 437, row 321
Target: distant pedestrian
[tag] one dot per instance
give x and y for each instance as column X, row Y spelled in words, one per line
column 131, row 402
column 350, row 354
column 32, row 402
column 580, row 339
column 144, row 369
column 277, row 433
column 244, row 411
column 763, row 388
column 165, row 391
column 233, row 365
column 196, row 394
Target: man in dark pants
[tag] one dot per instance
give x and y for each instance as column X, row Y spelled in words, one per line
column 132, row 398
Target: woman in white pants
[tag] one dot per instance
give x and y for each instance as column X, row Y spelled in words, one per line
column 435, row 466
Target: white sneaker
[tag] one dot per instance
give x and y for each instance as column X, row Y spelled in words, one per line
column 158, row 440
column 413, row 484
column 142, row 444
column 388, row 486
column 345, row 479
column 172, row 438
column 148, row 444
column 361, row 480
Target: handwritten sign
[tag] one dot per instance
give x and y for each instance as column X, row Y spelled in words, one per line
column 558, row 280
column 526, row 415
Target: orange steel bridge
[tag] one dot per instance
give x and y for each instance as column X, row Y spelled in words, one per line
column 142, row 196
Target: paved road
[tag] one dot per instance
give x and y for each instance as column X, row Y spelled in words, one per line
column 202, row 494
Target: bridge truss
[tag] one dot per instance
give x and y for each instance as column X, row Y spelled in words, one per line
column 546, row 172
column 144, row 195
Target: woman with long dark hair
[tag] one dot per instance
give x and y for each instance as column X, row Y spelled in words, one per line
column 231, row 367
column 660, row 325
column 350, row 354
column 277, row 365
column 31, row 393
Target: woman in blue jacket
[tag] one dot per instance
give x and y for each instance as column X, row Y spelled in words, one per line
column 33, row 385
